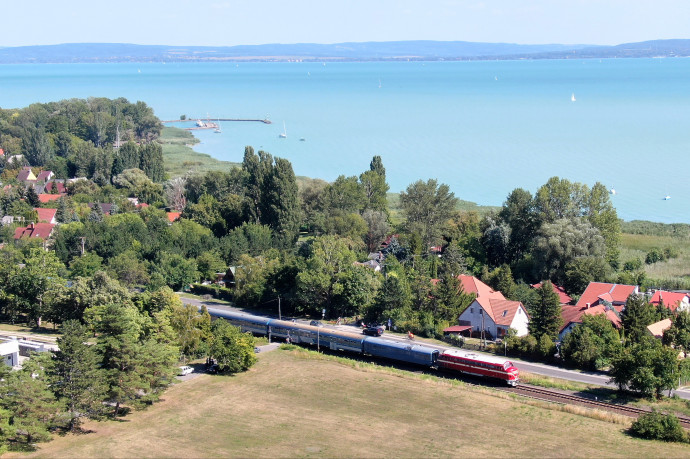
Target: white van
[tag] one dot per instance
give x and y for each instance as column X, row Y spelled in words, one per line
column 184, row 370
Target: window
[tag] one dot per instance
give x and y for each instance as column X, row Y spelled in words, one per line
column 505, row 313
column 471, row 310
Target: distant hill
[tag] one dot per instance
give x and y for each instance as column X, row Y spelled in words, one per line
column 367, row 51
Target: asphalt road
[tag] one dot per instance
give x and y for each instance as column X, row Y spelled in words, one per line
column 594, row 378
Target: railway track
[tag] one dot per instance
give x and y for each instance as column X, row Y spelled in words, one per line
column 551, row 395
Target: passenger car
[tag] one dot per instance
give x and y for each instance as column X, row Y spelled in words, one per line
column 315, row 323
column 373, row 330
column 184, row 370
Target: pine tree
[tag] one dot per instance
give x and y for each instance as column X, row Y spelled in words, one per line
column 545, row 314
column 96, row 214
column 79, row 380
column 32, row 197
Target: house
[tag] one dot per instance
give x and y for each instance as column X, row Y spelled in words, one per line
column 563, row 297
column 572, row 316
column 105, row 207
column 371, row 264
column 59, row 187
column 172, row 216
column 2, row 152
column 44, row 198
column 26, row 175
column 598, row 298
column 46, row 215
column 44, row 176
column 491, row 311
column 42, row 230
column 672, row 300
column 9, row 350
column 657, row 329
column 15, row 159
column 471, row 284
column 495, row 316
column 598, row 293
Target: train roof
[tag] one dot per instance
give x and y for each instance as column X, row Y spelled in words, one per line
column 475, row 356
column 402, row 345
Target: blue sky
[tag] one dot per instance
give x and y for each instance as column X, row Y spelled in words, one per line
column 236, row 22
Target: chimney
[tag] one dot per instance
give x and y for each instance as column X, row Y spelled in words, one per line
column 587, row 305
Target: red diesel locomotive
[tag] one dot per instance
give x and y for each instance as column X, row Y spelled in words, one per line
column 479, row 365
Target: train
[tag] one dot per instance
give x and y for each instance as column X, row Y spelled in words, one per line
column 452, row 360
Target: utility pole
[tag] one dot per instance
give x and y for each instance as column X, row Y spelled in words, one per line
column 82, row 245
column 280, row 317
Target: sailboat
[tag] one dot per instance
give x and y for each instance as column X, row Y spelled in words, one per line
column 572, row 97
column 217, row 130
column 283, row 135
column 379, row 83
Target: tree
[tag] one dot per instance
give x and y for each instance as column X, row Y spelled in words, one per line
column 545, row 315
column 647, row 367
column 27, row 396
column 592, row 344
column 32, row 197
column 679, row 333
column 190, row 326
column 563, row 241
column 496, row 241
column 86, row 265
column 637, row 315
column 232, row 349
column 208, row 264
column 359, row 288
column 375, row 190
column 177, row 270
column 377, row 229
column 519, row 214
column 78, row 379
column 96, row 215
column 151, row 161
column 281, row 203
column 427, row 206
column 583, row 270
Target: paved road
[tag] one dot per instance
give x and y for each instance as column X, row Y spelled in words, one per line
column 594, row 378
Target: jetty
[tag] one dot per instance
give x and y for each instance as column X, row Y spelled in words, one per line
column 206, row 123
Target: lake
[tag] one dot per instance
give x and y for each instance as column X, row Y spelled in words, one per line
column 482, row 127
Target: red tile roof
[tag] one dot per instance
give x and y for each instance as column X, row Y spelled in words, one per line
column 46, row 215
column 457, row 328
column 473, row 285
column 564, row 298
column 172, row 216
column 616, row 294
column 671, row 299
column 44, row 175
column 45, row 197
column 573, row 314
column 42, row 230
column 58, row 185
column 501, row 311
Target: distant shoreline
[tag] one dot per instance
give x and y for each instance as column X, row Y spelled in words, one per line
column 393, row 51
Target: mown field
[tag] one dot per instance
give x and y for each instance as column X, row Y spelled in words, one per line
column 295, row 403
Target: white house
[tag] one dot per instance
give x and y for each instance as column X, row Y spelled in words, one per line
column 495, row 316
column 9, row 350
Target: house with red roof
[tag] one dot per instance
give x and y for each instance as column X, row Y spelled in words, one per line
column 46, row 215
column 44, row 176
column 42, row 230
column 671, row 300
column 60, row 187
column 491, row 311
column 45, row 197
column 563, row 297
column 598, row 298
column 172, row 216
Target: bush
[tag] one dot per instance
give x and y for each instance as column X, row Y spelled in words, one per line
column 659, row 426
column 213, row 290
column 653, row 256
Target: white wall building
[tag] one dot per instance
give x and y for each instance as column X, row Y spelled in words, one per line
column 9, row 350
column 495, row 316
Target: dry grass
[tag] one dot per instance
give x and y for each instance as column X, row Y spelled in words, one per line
column 298, row 404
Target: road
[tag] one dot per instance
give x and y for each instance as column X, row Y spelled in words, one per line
column 594, row 378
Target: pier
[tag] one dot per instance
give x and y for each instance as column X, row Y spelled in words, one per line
column 211, row 123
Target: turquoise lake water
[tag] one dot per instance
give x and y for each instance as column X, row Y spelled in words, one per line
column 484, row 128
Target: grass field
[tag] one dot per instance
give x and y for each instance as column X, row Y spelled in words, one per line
column 179, row 158
column 295, row 403
column 637, row 246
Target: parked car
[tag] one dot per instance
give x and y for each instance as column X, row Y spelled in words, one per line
column 373, row 330
column 184, row 370
column 316, row 323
